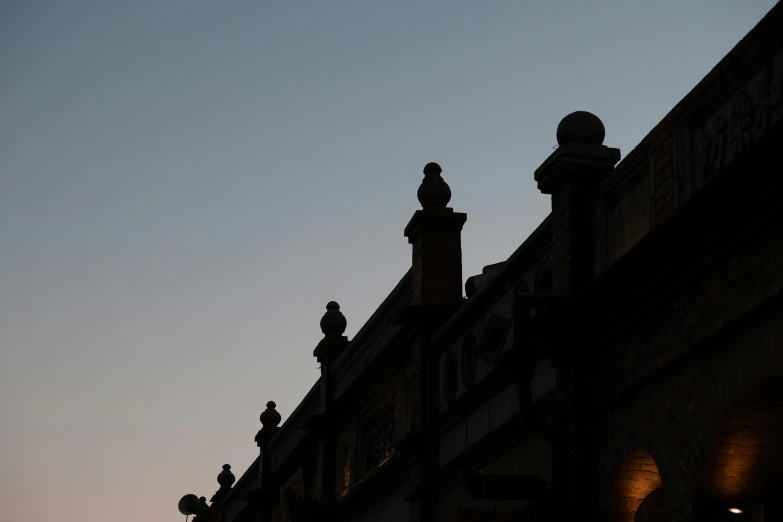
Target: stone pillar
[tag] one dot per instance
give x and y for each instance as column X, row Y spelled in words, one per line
column 226, row 479
column 270, row 420
column 333, row 326
column 435, row 232
column 571, row 175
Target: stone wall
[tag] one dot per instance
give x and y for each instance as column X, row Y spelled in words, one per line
column 678, row 420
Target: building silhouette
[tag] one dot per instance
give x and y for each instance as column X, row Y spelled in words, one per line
column 623, row 364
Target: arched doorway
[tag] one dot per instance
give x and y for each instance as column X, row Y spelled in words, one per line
column 743, row 469
column 636, row 480
column 652, row 508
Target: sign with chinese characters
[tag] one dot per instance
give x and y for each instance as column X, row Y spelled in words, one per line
column 742, row 120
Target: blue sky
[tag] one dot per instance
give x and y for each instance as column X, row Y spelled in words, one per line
column 185, row 184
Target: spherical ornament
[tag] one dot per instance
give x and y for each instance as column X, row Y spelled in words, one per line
column 226, row 479
column 433, row 191
column 581, row 127
column 270, row 418
column 333, row 321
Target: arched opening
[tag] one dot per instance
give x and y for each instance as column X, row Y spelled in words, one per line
column 652, row 508
column 636, row 479
column 743, row 469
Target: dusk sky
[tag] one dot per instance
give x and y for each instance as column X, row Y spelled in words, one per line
column 185, row 184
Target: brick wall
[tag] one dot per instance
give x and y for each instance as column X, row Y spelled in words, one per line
column 747, row 447
column 690, row 359
column 719, row 290
column 670, row 368
column 685, row 420
column 637, row 476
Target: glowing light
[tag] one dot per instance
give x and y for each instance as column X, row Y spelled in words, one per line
column 736, row 511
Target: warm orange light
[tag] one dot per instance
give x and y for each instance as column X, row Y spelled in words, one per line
column 736, row 511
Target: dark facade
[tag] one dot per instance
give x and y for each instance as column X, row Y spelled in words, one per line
column 624, row 363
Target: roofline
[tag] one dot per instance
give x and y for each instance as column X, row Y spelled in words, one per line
column 380, row 313
column 294, row 419
column 242, row 481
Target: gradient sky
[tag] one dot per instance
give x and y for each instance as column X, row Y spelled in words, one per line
column 184, row 184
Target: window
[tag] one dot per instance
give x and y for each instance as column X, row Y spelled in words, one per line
column 291, row 497
column 345, row 468
column 378, row 441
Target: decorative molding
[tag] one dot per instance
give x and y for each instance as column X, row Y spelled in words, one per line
column 494, row 338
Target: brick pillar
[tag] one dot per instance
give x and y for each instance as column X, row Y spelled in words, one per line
column 325, row 353
column 333, row 326
column 571, row 175
column 435, row 232
column 270, row 420
column 226, row 479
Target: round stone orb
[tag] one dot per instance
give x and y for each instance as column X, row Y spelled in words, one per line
column 333, row 320
column 270, row 416
column 581, row 127
column 226, row 478
column 433, row 191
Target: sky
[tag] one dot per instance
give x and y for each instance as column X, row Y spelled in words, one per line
column 185, row 184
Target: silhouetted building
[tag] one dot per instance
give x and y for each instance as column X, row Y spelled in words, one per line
column 622, row 364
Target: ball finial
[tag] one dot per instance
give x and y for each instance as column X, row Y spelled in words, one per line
column 581, row 127
column 226, row 479
column 270, row 418
column 433, row 191
column 333, row 321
